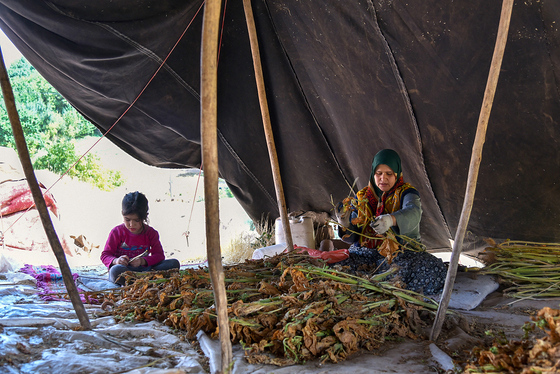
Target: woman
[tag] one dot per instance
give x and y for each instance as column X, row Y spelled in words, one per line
column 389, row 203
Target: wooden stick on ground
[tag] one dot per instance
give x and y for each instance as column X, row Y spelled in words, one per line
column 40, row 204
column 209, row 133
column 476, row 157
column 266, row 123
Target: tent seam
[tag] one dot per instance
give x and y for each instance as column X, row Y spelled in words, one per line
column 246, row 168
column 408, row 105
column 151, row 55
column 307, row 105
column 139, row 47
column 547, row 44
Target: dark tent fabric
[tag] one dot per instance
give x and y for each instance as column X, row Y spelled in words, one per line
column 344, row 78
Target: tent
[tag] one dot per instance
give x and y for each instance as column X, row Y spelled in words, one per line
column 344, row 79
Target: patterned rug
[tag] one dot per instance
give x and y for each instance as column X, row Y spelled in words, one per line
column 51, row 285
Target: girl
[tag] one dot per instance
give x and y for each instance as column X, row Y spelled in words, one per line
column 133, row 245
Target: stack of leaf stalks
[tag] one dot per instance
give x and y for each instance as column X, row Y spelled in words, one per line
column 283, row 310
column 527, row 269
column 525, row 356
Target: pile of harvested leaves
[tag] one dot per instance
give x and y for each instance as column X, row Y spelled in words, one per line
column 524, row 356
column 284, row 310
column 526, row 269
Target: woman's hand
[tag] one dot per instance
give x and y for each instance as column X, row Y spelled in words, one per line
column 383, row 223
column 342, row 217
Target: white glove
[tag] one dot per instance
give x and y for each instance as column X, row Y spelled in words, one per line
column 343, row 218
column 382, row 223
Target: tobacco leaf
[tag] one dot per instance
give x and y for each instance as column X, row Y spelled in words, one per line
column 284, row 284
column 388, row 249
column 200, row 322
column 150, row 293
column 317, row 307
column 296, row 316
column 268, row 289
column 291, row 301
column 349, row 332
column 235, row 329
column 291, row 329
column 541, row 347
column 309, row 336
column 240, row 309
column 236, row 286
column 326, row 342
column 176, row 303
column 267, row 360
column 300, row 281
column 267, row 320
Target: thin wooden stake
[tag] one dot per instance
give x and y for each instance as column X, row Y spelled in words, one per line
column 209, row 133
column 40, row 204
column 476, row 157
column 267, row 124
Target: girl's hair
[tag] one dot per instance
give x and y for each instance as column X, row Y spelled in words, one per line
column 135, row 203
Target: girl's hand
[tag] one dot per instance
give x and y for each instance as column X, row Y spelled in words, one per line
column 123, row 260
column 138, row 262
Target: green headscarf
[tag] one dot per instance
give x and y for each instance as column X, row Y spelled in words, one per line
column 385, row 157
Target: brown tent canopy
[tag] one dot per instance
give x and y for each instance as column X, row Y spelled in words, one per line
column 344, row 79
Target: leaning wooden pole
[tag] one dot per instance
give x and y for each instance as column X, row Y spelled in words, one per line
column 23, row 154
column 209, row 133
column 476, row 157
column 267, row 124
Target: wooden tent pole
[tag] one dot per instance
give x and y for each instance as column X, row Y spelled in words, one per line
column 209, row 133
column 476, row 157
column 267, row 124
column 40, row 204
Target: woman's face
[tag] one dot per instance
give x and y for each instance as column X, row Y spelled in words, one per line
column 385, row 178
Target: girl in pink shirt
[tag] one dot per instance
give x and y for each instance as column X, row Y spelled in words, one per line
column 133, row 245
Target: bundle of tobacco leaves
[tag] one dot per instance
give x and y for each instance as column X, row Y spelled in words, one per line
column 524, row 356
column 284, row 310
column 527, row 269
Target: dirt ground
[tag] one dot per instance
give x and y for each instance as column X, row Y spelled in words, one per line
column 176, row 207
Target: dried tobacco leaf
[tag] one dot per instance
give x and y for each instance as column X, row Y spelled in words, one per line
column 300, row 281
column 267, row 320
column 309, row 336
column 349, row 332
column 280, row 308
column 240, row 309
column 389, row 249
column 291, row 301
column 268, row 289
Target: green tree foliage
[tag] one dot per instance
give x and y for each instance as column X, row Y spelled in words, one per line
column 62, row 156
column 46, row 117
column 51, row 125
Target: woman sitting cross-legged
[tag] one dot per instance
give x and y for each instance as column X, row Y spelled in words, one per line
column 388, row 203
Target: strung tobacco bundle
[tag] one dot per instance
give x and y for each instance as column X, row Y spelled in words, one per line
column 522, row 356
column 284, row 310
column 529, row 269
